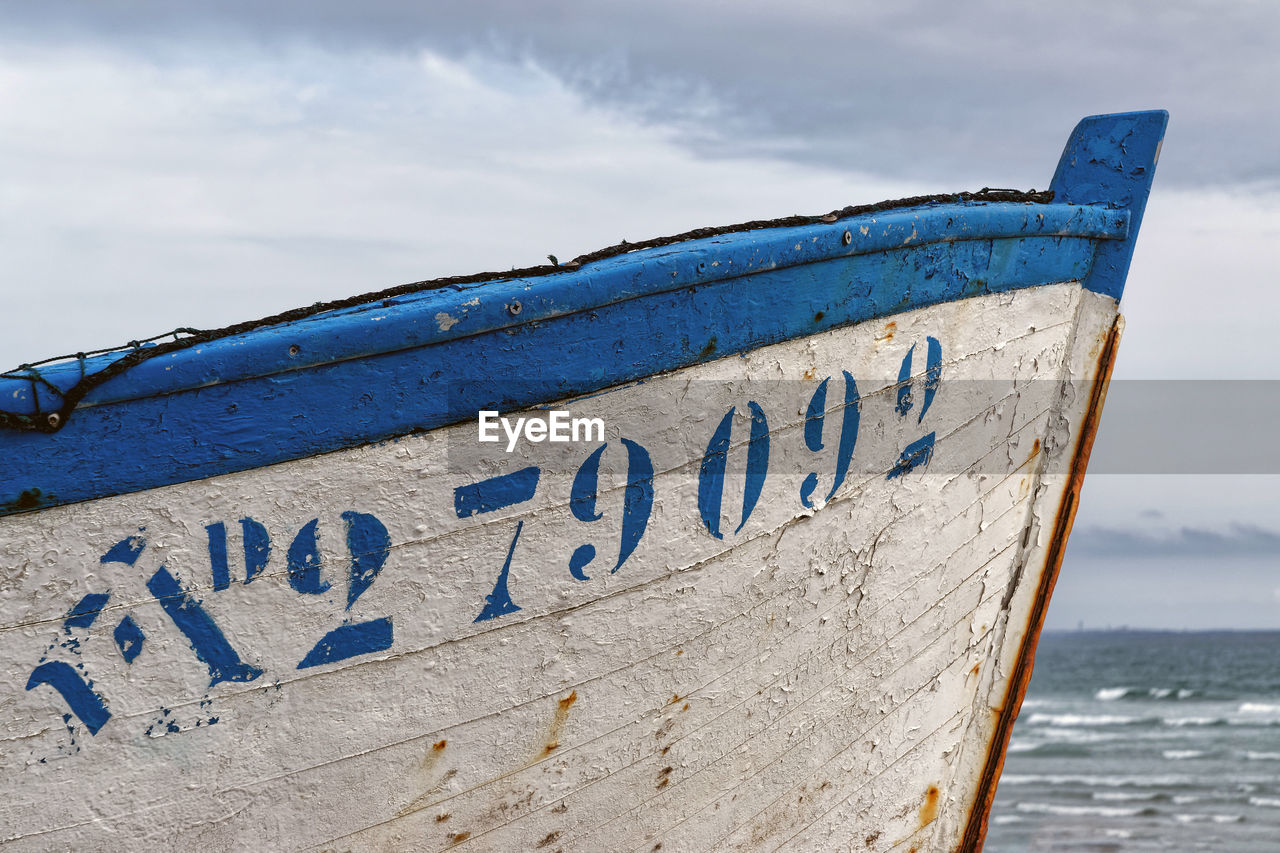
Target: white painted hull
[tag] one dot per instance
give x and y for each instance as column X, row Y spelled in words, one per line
column 823, row 678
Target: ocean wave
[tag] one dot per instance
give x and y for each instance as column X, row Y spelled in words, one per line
column 1182, row 754
column 1083, row 720
column 1086, row 811
column 1006, row 818
column 1259, row 708
column 1114, row 694
column 1186, row 799
column 1059, row 749
column 1250, row 755
column 1194, row 721
column 1205, row 818
column 1126, row 796
column 1265, row 802
column 1070, row 735
column 1166, row 780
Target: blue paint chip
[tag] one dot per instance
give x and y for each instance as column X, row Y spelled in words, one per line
column 86, row 610
column 129, row 638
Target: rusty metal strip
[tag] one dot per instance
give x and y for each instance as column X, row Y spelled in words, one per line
column 976, row 831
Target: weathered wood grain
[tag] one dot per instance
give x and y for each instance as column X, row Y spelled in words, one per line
column 827, row 677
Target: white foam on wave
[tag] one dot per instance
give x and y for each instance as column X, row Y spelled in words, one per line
column 1079, row 811
column 1205, row 818
column 1259, row 708
column 1001, row 819
column 1168, row 780
column 1112, row 694
column 1265, row 802
column 1185, row 799
column 1193, row 721
column 1080, row 720
column 1067, row 735
column 1250, row 755
column 1022, row 746
column 1181, row 754
column 1125, row 796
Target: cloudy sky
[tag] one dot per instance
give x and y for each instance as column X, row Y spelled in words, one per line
column 172, row 164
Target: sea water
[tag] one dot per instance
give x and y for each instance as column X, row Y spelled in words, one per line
column 1135, row 740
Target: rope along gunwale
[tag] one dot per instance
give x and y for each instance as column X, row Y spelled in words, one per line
column 148, row 348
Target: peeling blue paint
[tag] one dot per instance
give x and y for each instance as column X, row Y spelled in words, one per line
column 367, row 375
column 151, row 441
column 1111, row 160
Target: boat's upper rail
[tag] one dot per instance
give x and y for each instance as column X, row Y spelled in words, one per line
column 1098, row 193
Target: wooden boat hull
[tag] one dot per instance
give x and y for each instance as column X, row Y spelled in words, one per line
column 787, row 600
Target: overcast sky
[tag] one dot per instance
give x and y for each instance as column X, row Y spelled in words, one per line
column 167, row 165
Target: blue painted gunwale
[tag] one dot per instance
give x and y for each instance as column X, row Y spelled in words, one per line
column 426, row 360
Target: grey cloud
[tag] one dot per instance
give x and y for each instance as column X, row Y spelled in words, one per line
column 919, row 90
column 1236, row 540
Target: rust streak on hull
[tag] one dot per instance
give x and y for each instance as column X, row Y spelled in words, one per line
column 976, row 829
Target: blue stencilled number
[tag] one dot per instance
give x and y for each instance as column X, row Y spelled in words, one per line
column 491, row 495
column 257, row 551
column 637, row 503
column 920, row 451
column 208, row 642
column 813, row 427
column 369, row 545
column 714, row 461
